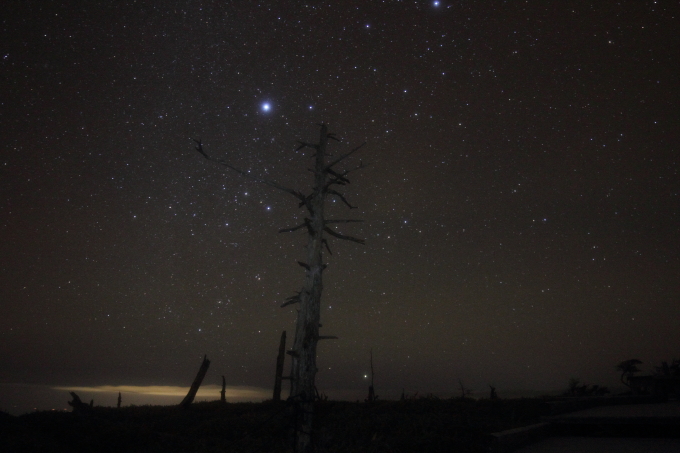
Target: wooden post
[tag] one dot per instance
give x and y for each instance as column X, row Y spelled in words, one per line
column 279, row 367
column 371, row 390
column 186, row 402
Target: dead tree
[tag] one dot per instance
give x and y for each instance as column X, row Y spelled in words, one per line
column 223, row 392
column 186, row 402
column 279, row 367
column 120, row 399
column 326, row 177
column 493, row 396
column 464, row 391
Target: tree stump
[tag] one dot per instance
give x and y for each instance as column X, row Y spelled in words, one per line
column 78, row 406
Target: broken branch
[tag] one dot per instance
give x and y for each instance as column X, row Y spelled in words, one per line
column 340, row 178
column 342, row 236
column 295, row 228
column 305, row 144
column 325, row 242
column 344, row 156
column 292, row 300
column 342, row 221
column 199, row 148
column 267, row 182
column 341, row 196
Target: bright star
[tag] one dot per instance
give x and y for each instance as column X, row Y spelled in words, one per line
column 266, row 107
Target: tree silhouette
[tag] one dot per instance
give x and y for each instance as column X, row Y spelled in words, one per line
column 628, row 368
column 325, row 178
column 668, row 370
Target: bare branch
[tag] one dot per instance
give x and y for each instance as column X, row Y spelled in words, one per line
column 305, row 144
column 338, row 194
column 342, row 236
column 327, row 337
column 305, row 202
column 305, row 265
column 273, row 184
column 295, row 228
column 342, row 221
column 307, row 223
column 358, row 167
column 334, row 181
column 338, row 176
column 199, row 148
column 267, row 182
column 325, row 242
column 344, row 156
column 292, row 300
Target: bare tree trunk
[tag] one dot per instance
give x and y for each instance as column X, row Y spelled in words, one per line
column 186, row 402
column 307, row 326
column 279, row 367
column 223, row 392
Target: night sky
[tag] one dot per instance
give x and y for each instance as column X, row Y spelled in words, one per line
column 521, row 203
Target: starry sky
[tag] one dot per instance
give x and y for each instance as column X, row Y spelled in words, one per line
column 521, row 201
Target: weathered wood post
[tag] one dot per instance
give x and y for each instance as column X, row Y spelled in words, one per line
column 371, row 390
column 279, row 367
column 186, row 402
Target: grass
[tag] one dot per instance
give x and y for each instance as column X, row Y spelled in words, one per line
column 426, row 424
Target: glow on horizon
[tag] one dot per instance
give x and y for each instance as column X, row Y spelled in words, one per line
column 241, row 393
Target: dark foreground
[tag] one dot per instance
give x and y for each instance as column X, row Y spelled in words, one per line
column 431, row 425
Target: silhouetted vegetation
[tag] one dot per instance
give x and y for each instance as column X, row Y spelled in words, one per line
column 418, row 424
column 576, row 388
column 628, row 368
column 668, row 370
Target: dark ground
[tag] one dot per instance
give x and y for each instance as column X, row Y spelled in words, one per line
column 426, row 424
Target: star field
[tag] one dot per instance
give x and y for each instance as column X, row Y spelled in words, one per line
column 521, row 201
